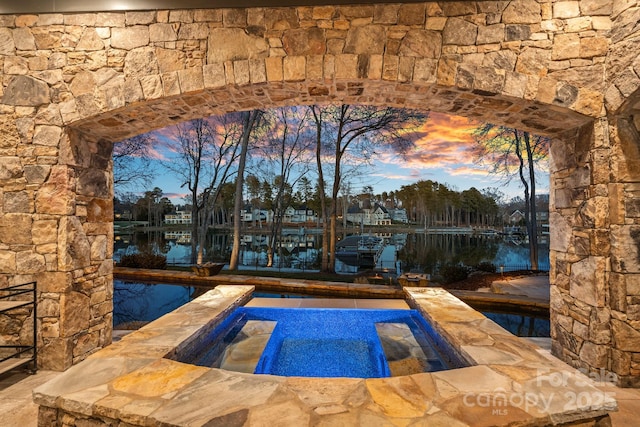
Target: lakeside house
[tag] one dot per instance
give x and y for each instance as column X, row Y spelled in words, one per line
column 377, row 215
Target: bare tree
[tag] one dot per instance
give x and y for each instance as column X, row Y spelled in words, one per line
column 249, row 120
column 205, row 152
column 354, row 133
column 287, row 154
column 132, row 166
column 512, row 153
column 318, row 120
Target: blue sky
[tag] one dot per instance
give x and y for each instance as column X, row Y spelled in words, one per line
column 444, row 153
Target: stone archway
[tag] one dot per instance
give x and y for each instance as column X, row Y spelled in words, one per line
column 72, row 84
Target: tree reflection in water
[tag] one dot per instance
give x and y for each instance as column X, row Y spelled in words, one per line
column 138, row 303
column 522, row 325
column 427, row 251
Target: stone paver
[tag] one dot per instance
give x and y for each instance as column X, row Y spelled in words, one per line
column 132, row 380
column 18, row 408
column 529, row 286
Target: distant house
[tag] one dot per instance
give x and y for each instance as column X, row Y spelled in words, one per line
column 180, row 217
column 378, row 215
column 398, row 215
column 122, row 216
column 252, row 214
column 299, row 215
column 516, row 217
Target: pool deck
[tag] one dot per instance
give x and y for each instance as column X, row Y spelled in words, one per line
column 134, row 380
column 18, row 408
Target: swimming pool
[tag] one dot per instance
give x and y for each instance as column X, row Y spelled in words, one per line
column 136, row 303
column 362, row 343
column 138, row 378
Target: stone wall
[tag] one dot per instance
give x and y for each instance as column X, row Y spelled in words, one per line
column 73, row 84
column 596, row 311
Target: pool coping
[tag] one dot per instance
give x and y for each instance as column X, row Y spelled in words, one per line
column 134, row 380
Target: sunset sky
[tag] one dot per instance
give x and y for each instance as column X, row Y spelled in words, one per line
column 443, row 153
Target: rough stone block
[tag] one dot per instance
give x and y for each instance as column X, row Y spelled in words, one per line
column 7, row 261
column 257, row 71
column 192, row 80
column 55, row 354
column 163, row 32
column 74, row 312
column 302, row 42
column 26, row 91
column 595, row 355
column 491, row 34
column 274, row 68
column 232, row 44
column 74, row 250
column 130, row 37
column 213, row 75
column 596, row 7
column 578, row 25
column 411, row 14
column 386, row 13
column 625, row 247
column 16, row 229
column 425, row 70
column 347, row 66
column 314, row 67
column 17, row 202
column 566, row 9
column 587, row 281
column 29, row 262
column 458, row 31
column 294, row 68
column 522, row 12
column 565, row 46
column 625, row 337
column 421, row 44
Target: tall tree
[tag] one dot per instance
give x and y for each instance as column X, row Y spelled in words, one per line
column 287, row 153
column 304, row 195
column 249, row 120
column 318, row 120
column 205, row 151
column 354, row 133
column 512, row 153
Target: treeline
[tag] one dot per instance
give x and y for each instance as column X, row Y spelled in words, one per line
column 326, row 144
column 434, row 204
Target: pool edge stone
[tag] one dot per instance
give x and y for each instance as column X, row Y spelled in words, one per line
column 533, row 374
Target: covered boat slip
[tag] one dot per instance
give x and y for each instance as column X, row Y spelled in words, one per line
column 360, row 251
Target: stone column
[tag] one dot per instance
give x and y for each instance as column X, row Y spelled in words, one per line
column 78, row 293
column 56, row 228
column 624, row 291
column 580, row 248
column 595, row 251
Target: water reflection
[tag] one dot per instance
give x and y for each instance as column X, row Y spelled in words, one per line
column 140, row 302
column 300, row 249
column 136, row 303
column 522, row 325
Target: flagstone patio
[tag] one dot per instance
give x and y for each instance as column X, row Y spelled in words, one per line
column 509, row 381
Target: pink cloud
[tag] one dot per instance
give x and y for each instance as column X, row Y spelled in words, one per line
column 443, row 141
column 174, row 196
column 465, row 170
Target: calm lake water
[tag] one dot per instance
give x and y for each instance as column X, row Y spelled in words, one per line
column 419, row 251
column 135, row 303
column 415, row 252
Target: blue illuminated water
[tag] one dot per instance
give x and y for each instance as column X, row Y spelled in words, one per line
column 310, row 342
